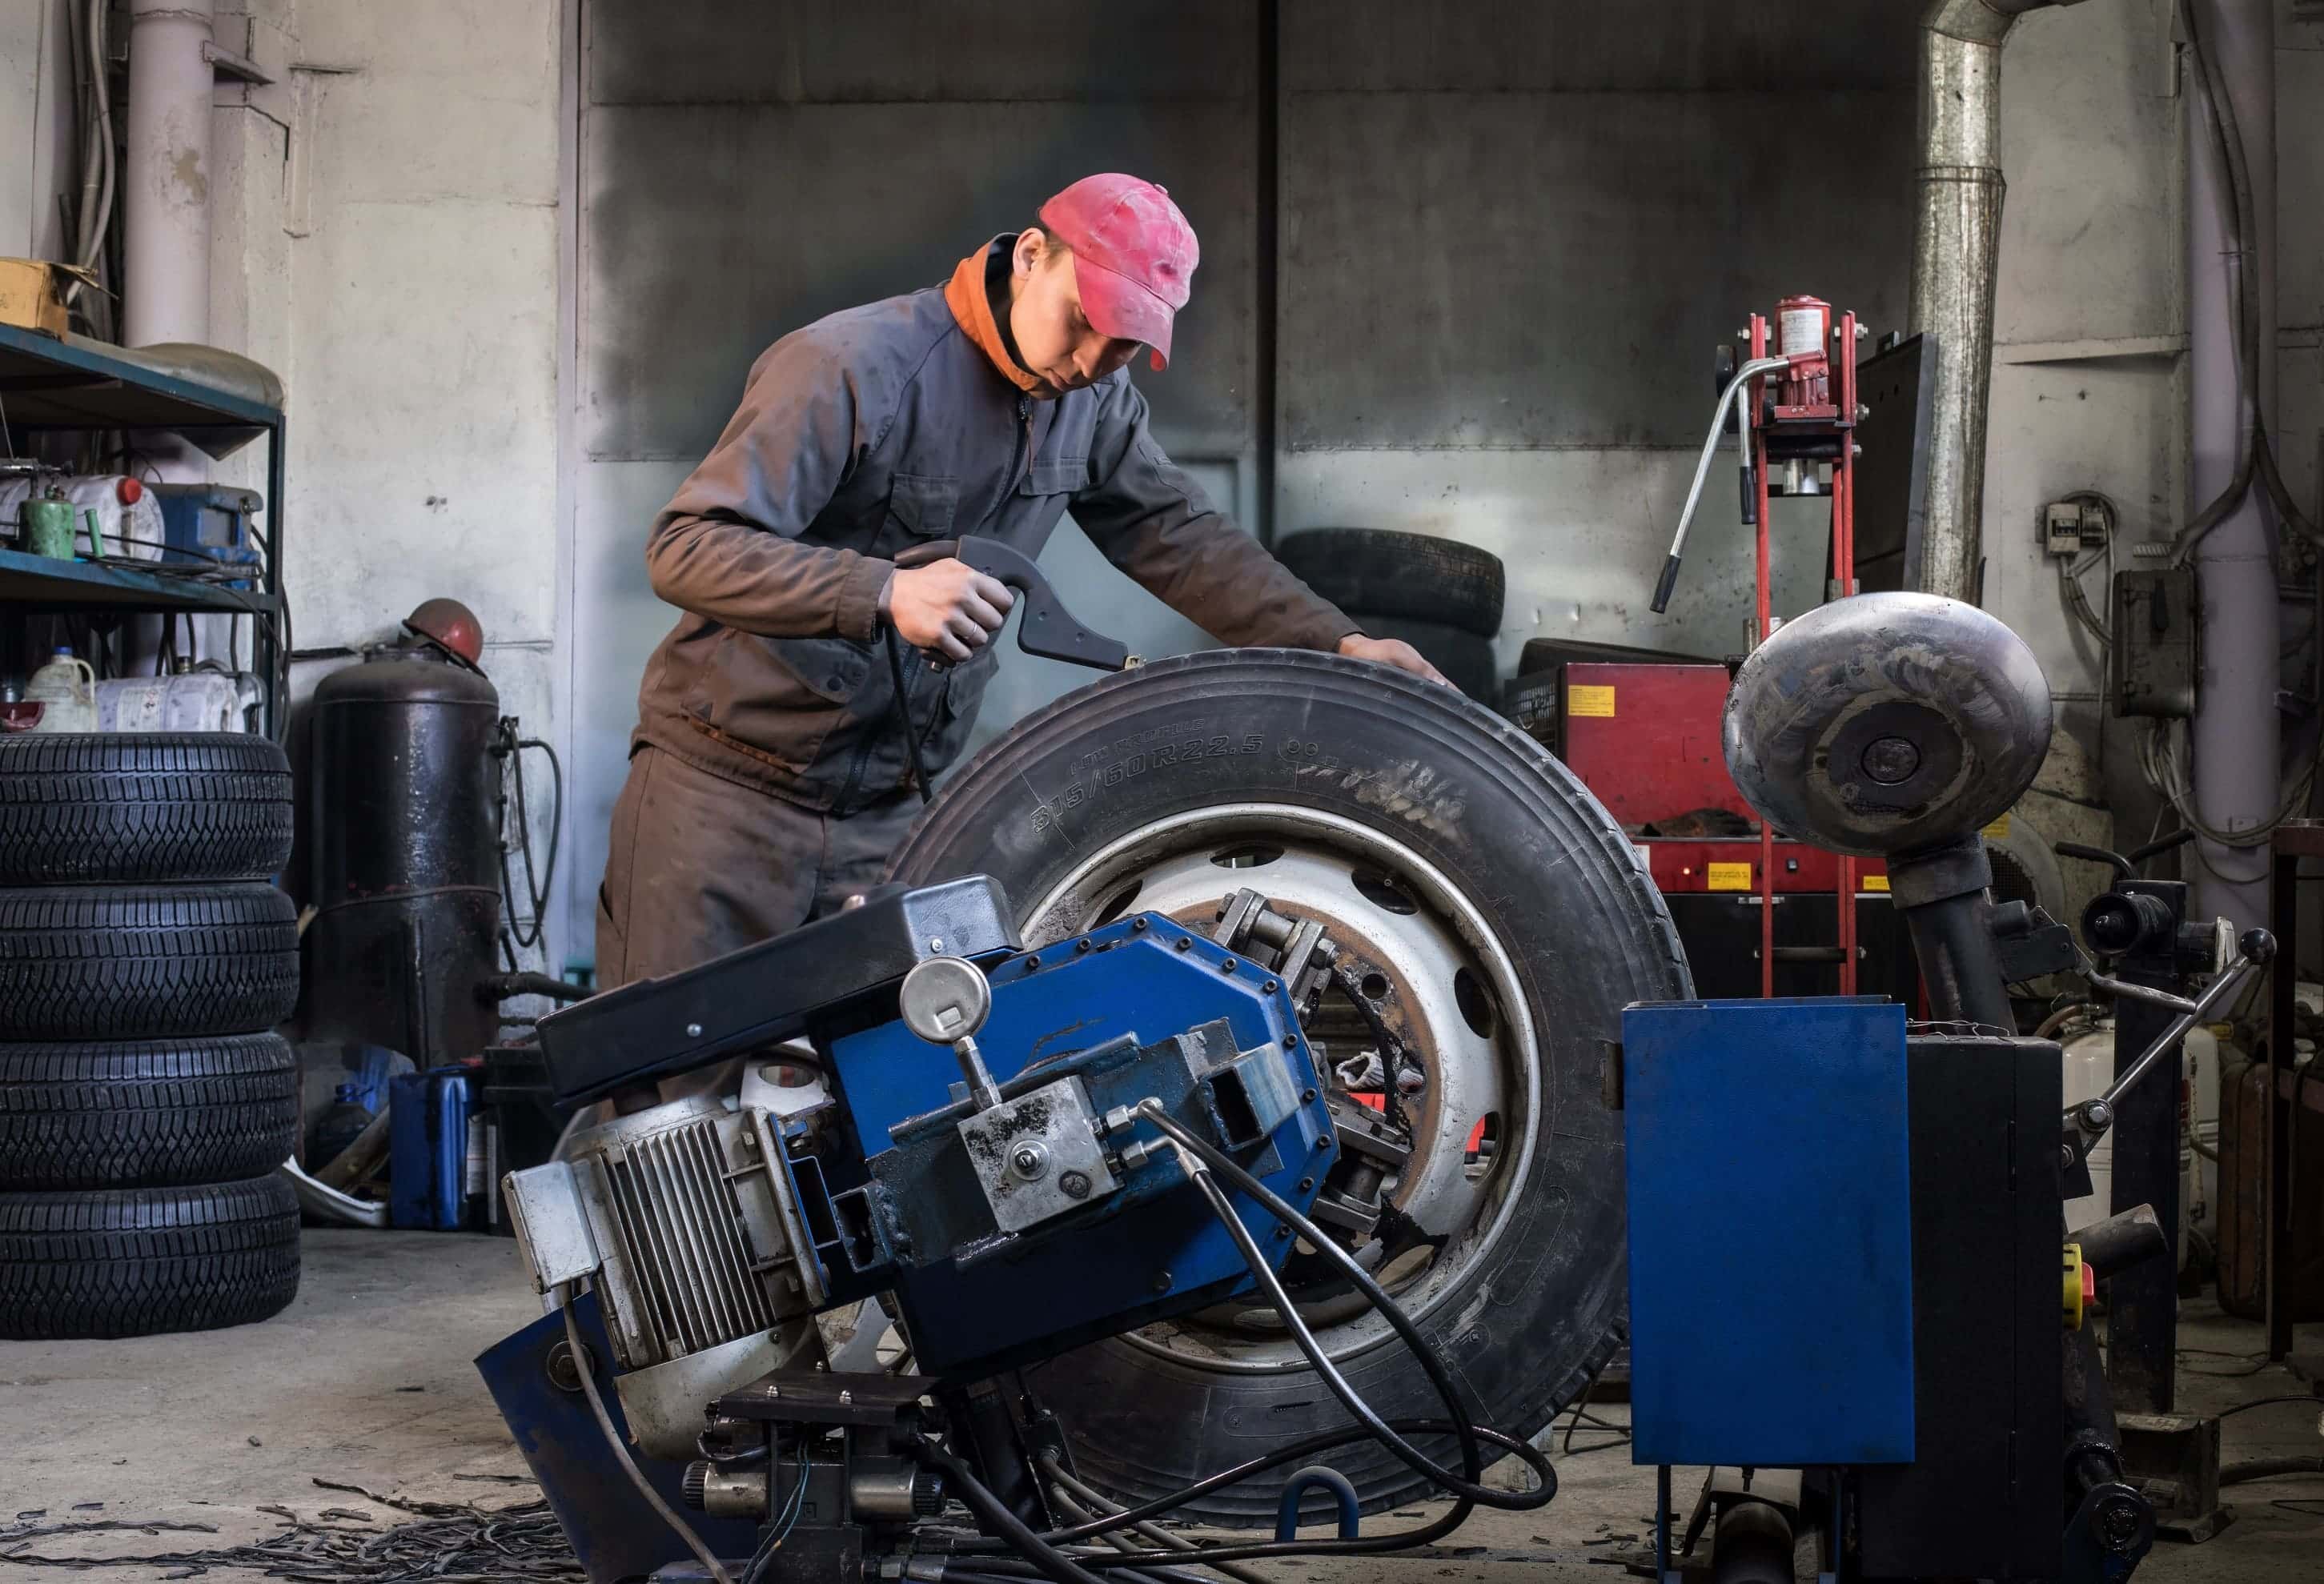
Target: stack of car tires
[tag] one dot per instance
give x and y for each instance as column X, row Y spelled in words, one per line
column 145, row 1100
column 1441, row 596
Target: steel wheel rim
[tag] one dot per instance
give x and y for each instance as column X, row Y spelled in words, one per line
column 1176, row 869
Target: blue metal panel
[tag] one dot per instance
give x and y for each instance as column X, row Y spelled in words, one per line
column 614, row 1534
column 1148, row 977
column 1770, row 1202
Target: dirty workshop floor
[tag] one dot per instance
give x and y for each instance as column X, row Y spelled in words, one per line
column 366, row 1380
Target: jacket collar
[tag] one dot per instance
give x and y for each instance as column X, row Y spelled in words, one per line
column 972, row 310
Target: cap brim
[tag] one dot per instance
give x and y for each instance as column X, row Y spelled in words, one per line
column 1118, row 307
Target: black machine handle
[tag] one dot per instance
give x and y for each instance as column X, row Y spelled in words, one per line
column 1048, row 629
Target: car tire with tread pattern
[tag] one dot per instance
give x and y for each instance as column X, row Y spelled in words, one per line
column 146, row 1113
column 142, row 961
column 132, row 1262
column 81, row 808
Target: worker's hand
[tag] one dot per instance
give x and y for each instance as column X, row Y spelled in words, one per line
column 946, row 608
column 1392, row 651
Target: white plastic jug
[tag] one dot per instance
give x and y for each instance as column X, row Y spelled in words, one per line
column 66, row 690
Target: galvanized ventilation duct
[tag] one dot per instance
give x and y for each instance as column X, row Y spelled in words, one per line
column 1955, row 248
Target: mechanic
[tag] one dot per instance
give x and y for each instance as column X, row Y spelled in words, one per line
column 769, row 777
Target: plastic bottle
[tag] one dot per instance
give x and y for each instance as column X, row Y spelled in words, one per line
column 66, row 690
column 338, row 1127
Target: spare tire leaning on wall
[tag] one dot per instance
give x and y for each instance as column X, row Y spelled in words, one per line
column 1502, row 920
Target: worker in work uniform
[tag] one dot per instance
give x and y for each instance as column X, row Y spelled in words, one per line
column 770, row 776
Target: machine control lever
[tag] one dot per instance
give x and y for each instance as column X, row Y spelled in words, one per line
column 1046, row 628
column 945, row 1000
column 2088, row 1122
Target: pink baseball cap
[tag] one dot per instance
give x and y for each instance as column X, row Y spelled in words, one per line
column 1134, row 256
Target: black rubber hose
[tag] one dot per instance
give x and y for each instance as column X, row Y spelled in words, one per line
column 1473, row 1461
column 1298, row 1451
column 1470, row 1494
column 913, row 740
column 1054, row 1563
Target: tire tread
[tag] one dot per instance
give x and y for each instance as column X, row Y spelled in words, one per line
column 125, row 808
column 138, row 1261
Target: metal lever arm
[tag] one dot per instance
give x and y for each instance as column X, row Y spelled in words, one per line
column 1046, row 628
column 1743, row 377
column 2088, row 1122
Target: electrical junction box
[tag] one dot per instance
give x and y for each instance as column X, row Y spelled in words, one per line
column 2062, row 527
column 1769, row 1169
column 2157, row 643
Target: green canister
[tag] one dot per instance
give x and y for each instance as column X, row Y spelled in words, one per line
column 48, row 525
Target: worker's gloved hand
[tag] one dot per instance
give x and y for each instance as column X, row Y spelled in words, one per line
column 1392, row 651
column 946, row 608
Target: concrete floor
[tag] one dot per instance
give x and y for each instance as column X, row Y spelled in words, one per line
column 366, row 1379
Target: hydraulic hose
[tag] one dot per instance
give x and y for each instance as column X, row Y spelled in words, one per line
column 1464, row 1484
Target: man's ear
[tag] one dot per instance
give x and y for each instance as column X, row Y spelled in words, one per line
column 1026, row 256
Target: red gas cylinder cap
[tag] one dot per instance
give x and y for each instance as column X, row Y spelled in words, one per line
column 130, row 491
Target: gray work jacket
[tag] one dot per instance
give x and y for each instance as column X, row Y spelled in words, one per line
column 859, row 435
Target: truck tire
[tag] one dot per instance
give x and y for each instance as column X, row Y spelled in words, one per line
column 80, row 808
column 1398, row 813
column 132, row 1262
column 148, row 1113
column 1418, row 576
column 145, row 961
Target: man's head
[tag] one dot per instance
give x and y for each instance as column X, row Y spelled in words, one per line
column 1106, row 269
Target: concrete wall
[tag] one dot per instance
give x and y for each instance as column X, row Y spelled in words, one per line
column 37, row 158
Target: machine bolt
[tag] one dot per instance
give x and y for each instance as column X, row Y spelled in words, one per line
column 694, row 1031
column 2066, row 1156
column 1183, row 942
column 1890, row 760
column 1136, row 925
column 846, row 1396
column 937, row 945
column 562, row 1375
column 1307, row 1097
column 1281, row 1231
column 1862, row 413
column 1081, row 944
column 1267, row 989
column 1161, row 1281
column 1033, row 964
column 1073, row 1184
column 2117, row 1524
column 750, row 1143
column 1860, row 331
column 1227, row 966
column 1305, row 1184
column 1028, row 1160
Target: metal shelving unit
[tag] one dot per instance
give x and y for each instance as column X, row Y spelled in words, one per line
column 49, row 385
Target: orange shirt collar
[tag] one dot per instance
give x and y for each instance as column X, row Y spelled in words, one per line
column 972, row 307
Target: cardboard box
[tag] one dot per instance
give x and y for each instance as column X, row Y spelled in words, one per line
column 32, row 293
